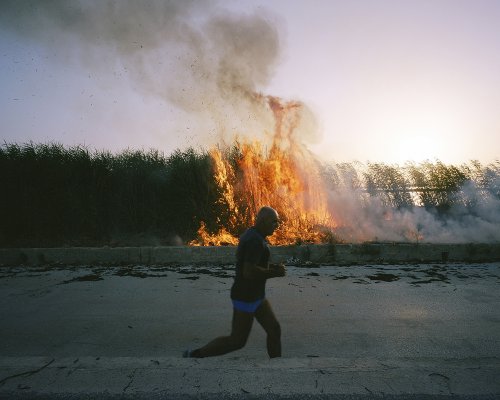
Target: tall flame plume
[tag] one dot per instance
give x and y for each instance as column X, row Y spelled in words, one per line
column 284, row 176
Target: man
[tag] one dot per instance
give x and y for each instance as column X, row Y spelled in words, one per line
column 248, row 291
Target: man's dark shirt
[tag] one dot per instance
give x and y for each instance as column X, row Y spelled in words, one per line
column 252, row 248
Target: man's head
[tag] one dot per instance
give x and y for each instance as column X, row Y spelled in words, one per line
column 267, row 220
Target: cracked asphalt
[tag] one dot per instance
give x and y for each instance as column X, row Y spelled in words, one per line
column 416, row 331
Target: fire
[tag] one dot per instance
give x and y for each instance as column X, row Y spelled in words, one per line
column 284, row 176
column 221, row 238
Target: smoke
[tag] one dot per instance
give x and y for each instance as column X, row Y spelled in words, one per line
column 362, row 217
column 213, row 64
column 191, row 54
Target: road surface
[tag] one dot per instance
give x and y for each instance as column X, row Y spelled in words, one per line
column 397, row 331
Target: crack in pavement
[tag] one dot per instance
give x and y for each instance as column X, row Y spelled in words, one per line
column 27, row 373
column 131, row 377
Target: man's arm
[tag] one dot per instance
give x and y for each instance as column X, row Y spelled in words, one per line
column 253, row 271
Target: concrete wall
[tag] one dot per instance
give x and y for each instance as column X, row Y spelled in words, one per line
column 338, row 254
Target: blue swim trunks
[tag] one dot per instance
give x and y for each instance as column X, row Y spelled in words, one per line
column 248, row 307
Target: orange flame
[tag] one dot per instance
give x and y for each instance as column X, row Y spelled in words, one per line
column 285, row 177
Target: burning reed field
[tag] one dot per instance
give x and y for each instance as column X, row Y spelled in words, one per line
column 74, row 196
column 211, row 66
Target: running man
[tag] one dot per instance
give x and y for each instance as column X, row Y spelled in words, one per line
column 248, row 292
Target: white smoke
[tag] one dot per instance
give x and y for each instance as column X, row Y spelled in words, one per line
column 362, row 217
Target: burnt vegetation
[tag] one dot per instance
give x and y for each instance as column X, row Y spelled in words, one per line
column 54, row 195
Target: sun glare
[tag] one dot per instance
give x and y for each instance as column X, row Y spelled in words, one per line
column 418, row 133
column 417, row 148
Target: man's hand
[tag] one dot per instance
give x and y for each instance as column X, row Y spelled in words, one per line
column 277, row 269
column 252, row 271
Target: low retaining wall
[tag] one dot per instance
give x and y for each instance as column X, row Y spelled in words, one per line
column 333, row 254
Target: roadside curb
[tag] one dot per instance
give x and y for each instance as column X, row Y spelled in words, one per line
column 332, row 254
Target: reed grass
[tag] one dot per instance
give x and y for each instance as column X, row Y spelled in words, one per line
column 58, row 196
column 54, row 195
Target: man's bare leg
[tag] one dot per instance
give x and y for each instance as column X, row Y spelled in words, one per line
column 241, row 326
column 265, row 316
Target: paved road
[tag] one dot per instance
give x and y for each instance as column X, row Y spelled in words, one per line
column 412, row 331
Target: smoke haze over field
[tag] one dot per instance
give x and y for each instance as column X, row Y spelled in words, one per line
column 369, row 220
column 473, row 217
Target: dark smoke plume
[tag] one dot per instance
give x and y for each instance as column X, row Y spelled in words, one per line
column 190, row 53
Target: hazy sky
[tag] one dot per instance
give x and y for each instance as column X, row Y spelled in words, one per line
column 387, row 81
